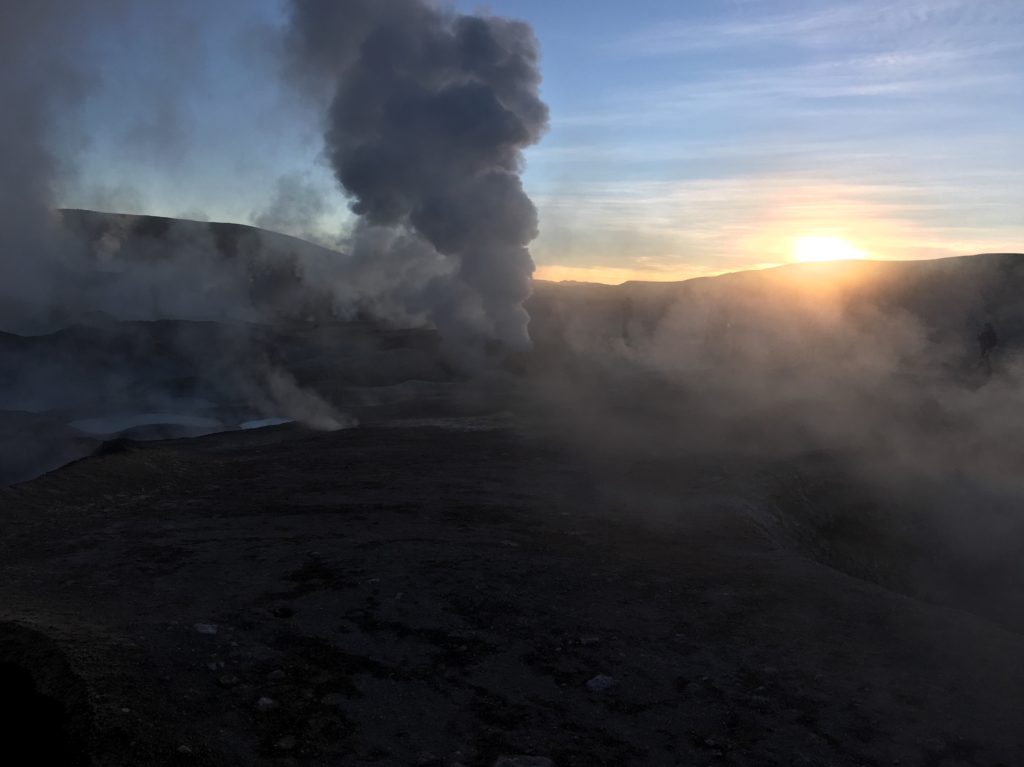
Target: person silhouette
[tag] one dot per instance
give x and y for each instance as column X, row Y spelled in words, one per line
column 987, row 341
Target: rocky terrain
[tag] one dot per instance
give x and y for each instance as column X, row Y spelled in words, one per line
column 454, row 594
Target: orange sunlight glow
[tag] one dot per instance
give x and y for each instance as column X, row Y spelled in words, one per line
column 818, row 248
column 616, row 275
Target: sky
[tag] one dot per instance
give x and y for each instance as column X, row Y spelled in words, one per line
column 686, row 138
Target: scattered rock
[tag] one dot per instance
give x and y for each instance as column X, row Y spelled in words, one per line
column 335, row 699
column 601, row 682
column 524, row 761
column 590, row 641
column 115, row 447
column 228, row 680
column 234, row 720
column 277, row 676
column 205, row 628
column 266, row 704
column 259, row 652
column 287, row 743
column 184, row 750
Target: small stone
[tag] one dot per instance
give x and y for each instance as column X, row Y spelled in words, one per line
column 277, row 676
column 590, row 641
column 287, row 743
column 228, row 680
column 184, row 750
column 126, row 710
column 266, row 704
column 523, row 761
column 234, row 719
column 282, row 611
column 334, row 699
column 205, row 628
column 600, row 683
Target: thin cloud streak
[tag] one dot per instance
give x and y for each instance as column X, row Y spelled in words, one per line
column 882, row 83
column 851, row 24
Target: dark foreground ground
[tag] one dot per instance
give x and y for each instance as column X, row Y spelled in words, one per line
column 419, row 595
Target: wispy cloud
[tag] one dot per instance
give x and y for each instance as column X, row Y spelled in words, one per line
column 860, row 80
column 865, row 24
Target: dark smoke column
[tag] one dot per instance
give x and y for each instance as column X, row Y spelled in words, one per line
column 429, row 114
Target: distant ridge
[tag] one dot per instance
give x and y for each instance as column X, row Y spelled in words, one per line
column 949, row 295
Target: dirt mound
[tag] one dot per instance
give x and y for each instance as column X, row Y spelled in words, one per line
column 43, row 704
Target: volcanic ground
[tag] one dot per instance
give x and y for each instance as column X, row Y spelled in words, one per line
column 452, row 594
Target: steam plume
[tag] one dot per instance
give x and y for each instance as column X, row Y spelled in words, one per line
column 38, row 76
column 429, row 113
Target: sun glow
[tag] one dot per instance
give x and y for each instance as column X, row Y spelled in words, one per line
column 810, row 249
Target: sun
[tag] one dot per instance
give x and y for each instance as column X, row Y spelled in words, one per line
column 817, row 248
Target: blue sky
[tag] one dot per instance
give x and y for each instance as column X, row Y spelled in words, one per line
column 686, row 138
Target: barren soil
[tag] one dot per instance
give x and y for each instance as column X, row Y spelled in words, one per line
column 443, row 594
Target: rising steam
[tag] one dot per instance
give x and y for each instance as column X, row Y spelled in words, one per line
column 428, row 115
column 38, row 77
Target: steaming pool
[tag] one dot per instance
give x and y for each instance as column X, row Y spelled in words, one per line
column 192, row 425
